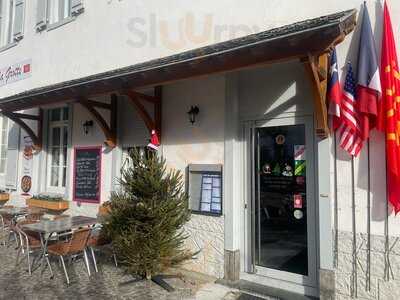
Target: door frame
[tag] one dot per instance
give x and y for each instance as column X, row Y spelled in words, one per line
column 310, row 281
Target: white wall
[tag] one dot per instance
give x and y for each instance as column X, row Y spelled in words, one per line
column 111, row 34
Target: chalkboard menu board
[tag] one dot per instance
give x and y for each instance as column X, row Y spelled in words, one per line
column 87, row 174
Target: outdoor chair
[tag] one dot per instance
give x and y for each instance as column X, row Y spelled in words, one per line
column 97, row 241
column 7, row 229
column 30, row 242
column 74, row 246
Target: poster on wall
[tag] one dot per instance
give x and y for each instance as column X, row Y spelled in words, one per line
column 87, row 174
column 27, row 166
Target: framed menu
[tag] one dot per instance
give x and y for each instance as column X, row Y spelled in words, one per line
column 87, row 174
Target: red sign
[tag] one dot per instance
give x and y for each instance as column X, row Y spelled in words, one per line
column 298, row 201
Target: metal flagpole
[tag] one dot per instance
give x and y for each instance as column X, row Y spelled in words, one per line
column 335, row 209
column 368, row 283
column 353, row 200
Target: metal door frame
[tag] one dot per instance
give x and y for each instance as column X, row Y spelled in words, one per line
column 250, row 267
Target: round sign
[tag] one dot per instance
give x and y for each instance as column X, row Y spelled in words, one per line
column 26, row 184
column 280, row 139
column 298, row 214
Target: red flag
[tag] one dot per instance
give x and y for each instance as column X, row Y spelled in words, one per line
column 334, row 92
column 389, row 110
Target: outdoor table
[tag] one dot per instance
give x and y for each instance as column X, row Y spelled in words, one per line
column 15, row 212
column 49, row 227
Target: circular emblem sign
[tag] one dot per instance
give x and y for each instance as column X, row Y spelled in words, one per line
column 26, row 184
column 280, row 139
column 298, row 214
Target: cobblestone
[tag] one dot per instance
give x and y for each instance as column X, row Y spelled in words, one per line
column 15, row 283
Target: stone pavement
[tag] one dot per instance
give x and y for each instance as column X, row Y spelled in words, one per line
column 15, row 283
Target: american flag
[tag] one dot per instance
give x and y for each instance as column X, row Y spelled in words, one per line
column 350, row 130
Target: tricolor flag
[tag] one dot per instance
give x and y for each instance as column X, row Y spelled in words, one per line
column 334, row 91
column 389, row 111
column 368, row 82
column 350, row 131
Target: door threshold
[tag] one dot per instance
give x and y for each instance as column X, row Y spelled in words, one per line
column 268, row 287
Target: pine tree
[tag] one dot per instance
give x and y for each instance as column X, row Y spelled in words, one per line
column 147, row 216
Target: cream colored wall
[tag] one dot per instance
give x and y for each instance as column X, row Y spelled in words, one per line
column 201, row 143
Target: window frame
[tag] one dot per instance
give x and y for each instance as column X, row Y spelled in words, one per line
column 51, row 26
column 62, row 124
column 9, row 20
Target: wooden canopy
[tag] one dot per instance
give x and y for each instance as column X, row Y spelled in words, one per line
column 309, row 41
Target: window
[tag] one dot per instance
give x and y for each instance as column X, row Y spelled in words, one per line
column 3, row 143
column 53, row 13
column 57, row 148
column 11, row 20
column 58, row 10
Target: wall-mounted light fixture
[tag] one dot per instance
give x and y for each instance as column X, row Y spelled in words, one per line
column 87, row 125
column 193, row 112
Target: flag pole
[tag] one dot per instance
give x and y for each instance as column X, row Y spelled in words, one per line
column 353, row 201
column 335, row 204
column 368, row 283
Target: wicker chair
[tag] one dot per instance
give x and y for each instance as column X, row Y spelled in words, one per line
column 74, row 246
column 30, row 242
column 100, row 242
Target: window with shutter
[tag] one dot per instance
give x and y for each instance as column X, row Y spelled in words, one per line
column 53, row 13
column 11, row 21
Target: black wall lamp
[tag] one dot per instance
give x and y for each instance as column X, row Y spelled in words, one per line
column 87, row 125
column 193, row 112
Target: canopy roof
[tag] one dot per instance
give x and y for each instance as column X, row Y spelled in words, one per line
column 299, row 40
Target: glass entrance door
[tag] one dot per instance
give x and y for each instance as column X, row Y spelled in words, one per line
column 283, row 204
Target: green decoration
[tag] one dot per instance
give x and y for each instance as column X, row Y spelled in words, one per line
column 147, row 217
column 299, row 167
column 277, row 170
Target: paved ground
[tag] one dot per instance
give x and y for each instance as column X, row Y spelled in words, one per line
column 15, row 283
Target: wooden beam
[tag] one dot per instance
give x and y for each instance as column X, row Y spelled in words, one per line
column 25, row 116
column 99, row 104
column 158, row 111
column 152, row 99
column 319, row 89
column 36, row 138
column 133, row 97
column 111, row 139
column 114, row 113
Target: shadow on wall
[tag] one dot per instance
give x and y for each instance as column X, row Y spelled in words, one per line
column 377, row 160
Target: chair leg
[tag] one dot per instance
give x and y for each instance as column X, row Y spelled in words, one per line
column 65, row 269
column 48, row 263
column 18, row 254
column 115, row 260
column 94, row 260
column 86, row 261
column 29, row 260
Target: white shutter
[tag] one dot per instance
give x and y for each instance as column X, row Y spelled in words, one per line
column 76, row 7
column 41, row 15
column 12, row 156
column 19, row 20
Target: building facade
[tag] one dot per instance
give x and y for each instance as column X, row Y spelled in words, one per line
column 270, row 190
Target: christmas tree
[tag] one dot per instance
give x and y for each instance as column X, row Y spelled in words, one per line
column 147, row 216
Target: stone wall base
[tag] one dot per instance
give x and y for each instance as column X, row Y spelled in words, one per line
column 232, row 265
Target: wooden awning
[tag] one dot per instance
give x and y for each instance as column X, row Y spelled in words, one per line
column 309, row 41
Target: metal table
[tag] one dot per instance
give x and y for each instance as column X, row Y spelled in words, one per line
column 46, row 228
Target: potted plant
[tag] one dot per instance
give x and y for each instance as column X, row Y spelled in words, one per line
column 146, row 219
column 50, row 202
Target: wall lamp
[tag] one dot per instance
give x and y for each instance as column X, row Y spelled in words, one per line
column 87, row 125
column 193, row 112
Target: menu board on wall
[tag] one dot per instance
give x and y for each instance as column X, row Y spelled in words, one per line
column 87, row 174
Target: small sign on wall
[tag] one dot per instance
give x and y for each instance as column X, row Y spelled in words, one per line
column 87, row 174
column 15, row 72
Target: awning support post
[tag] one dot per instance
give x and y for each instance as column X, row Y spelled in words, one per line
column 317, row 68
column 110, row 131
column 19, row 118
column 152, row 123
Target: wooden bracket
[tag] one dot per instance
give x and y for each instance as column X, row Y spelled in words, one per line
column 152, row 123
column 19, row 118
column 317, row 68
column 109, row 130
